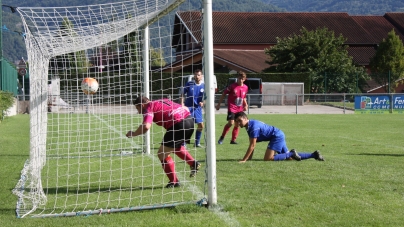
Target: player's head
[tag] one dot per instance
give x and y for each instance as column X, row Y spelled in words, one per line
column 198, row 75
column 241, row 77
column 241, row 119
column 140, row 103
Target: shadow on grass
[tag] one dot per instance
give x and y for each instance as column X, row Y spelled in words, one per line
column 14, row 155
column 391, row 155
column 238, row 159
column 94, row 190
column 4, row 210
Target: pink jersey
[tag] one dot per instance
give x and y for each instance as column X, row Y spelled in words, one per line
column 236, row 95
column 164, row 112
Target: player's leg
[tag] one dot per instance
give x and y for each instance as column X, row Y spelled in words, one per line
column 235, row 132
column 198, row 134
column 199, row 121
column 316, row 155
column 278, row 145
column 167, row 162
column 269, row 155
column 183, row 131
column 226, row 129
column 192, row 111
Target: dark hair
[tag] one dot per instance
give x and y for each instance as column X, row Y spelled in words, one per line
column 240, row 114
column 140, row 100
column 241, row 73
column 197, row 71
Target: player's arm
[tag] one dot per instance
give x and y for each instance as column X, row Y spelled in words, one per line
column 251, row 147
column 202, row 102
column 183, row 92
column 221, row 99
column 142, row 129
column 245, row 104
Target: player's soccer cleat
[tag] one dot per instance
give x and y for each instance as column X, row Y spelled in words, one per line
column 233, row 142
column 220, row 141
column 317, row 155
column 197, row 145
column 194, row 169
column 173, row 185
column 295, row 155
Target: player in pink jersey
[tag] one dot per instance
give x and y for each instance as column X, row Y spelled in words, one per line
column 179, row 124
column 236, row 102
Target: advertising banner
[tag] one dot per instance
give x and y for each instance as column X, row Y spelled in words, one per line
column 379, row 104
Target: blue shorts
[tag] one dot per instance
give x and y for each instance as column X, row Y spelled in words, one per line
column 278, row 143
column 196, row 113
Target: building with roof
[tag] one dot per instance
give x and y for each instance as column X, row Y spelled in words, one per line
column 239, row 38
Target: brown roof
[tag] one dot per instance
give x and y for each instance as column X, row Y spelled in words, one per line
column 250, row 60
column 397, row 19
column 361, row 55
column 246, row 60
column 246, row 29
column 377, row 26
column 256, row 27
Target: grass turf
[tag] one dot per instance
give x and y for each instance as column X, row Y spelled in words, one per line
column 359, row 184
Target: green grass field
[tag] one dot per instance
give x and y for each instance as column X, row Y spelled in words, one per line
column 359, row 184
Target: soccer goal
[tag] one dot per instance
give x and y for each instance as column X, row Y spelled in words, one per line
column 87, row 65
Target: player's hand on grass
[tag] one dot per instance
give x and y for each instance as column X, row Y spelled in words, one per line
column 241, row 161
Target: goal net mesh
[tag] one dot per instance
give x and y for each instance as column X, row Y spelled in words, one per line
column 80, row 161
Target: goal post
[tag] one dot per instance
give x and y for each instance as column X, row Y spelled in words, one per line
column 210, row 108
column 104, row 56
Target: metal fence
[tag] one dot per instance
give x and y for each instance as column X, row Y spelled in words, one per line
column 271, row 104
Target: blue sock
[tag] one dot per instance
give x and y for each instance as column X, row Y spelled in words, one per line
column 305, row 155
column 283, row 156
column 198, row 135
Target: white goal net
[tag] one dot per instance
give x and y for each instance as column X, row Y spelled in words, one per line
column 87, row 65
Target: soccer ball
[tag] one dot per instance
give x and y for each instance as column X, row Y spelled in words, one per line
column 89, row 86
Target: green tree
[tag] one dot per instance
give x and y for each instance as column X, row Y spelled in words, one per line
column 322, row 55
column 156, row 57
column 388, row 63
column 6, row 101
column 70, row 64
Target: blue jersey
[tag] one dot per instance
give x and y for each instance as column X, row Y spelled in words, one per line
column 261, row 131
column 195, row 93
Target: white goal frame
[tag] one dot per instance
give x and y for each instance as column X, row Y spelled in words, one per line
column 41, row 46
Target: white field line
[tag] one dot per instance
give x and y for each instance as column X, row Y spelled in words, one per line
column 225, row 216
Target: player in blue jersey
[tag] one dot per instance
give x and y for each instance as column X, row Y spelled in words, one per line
column 195, row 93
column 277, row 150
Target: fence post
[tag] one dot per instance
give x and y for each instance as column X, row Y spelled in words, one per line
column 389, row 82
column 325, row 86
column 297, row 101
column 344, row 103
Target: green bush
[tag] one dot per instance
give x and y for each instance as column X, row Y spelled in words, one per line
column 6, row 101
